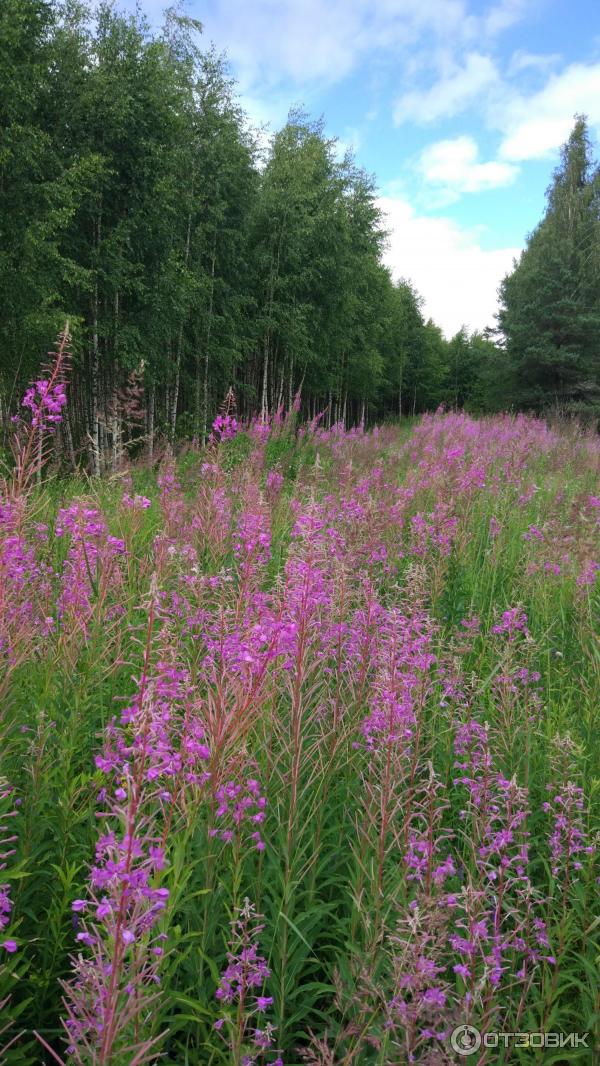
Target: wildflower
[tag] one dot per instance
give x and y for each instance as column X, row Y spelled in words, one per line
column 262, row 1002
column 143, row 754
column 274, row 482
column 512, row 622
column 567, row 840
column 240, row 805
column 588, row 574
column 45, row 399
column 137, row 502
column 494, row 527
column 245, row 973
column 224, row 427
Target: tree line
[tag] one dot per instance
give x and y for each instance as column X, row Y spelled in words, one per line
column 549, row 319
column 137, row 202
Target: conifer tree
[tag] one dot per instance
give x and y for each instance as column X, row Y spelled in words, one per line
column 550, row 303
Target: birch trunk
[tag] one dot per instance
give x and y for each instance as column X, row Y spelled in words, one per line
column 151, row 402
column 291, row 384
column 207, row 343
column 96, row 454
column 175, row 395
column 175, row 392
column 96, row 466
column 115, row 429
column 280, row 391
column 68, row 435
column 264, row 403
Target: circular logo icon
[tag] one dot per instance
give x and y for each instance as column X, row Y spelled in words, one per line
column 465, row 1040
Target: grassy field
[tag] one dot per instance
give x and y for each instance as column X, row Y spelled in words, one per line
column 300, row 750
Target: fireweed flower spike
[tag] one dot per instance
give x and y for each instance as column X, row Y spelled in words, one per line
column 417, row 1016
column 7, row 838
column 353, row 658
column 498, row 924
column 9, row 945
column 224, row 427
column 240, row 812
column 567, row 839
column 44, row 401
column 250, row 1036
column 146, row 757
column 92, row 567
column 566, row 807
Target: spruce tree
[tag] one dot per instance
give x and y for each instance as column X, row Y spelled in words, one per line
column 550, row 303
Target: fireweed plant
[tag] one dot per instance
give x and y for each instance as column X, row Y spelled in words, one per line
column 301, row 733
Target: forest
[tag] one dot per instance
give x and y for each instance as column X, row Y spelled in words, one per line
column 192, row 255
column 299, row 598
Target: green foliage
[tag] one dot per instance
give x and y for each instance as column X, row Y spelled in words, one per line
column 550, row 312
column 287, row 453
column 134, row 201
column 315, row 883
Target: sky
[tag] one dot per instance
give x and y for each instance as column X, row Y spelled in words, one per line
column 458, row 107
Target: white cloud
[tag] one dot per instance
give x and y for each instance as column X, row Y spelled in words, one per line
column 301, row 41
column 308, row 42
column 524, row 60
column 458, row 87
column 454, row 164
column 296, row 47
column 535, row 126
column 503, row 15
column 457, row 278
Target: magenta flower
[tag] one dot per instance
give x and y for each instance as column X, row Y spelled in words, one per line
column 246, row 971
column 150, row 755
column 45, row 400
column 224, row 427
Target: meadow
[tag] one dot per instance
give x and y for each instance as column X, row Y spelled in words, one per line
column 300, row 746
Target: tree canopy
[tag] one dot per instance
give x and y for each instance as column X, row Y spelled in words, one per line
column 550, row 303
column 137, row 202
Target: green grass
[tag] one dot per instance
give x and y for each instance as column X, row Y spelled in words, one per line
column 327, row 922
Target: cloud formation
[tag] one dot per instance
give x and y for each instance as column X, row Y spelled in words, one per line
column 532, row 124
column 458, row 87
column 417, row 63
column 307, row 41
column 457, row 277
column 454, row 164
column 535, row 126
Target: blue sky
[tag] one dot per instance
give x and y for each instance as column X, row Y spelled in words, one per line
column 459, row 108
